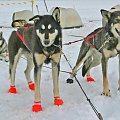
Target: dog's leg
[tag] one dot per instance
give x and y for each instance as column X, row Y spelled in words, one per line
column 28, row 70
column 84, row 53
column 38, row 61
column 55, row 73
column 91, row 62
column 86, row 69
column 74, row 70
column 89, row 78
column 12, row 69
column 106, row 90
column 55, row 76
column 119, row 74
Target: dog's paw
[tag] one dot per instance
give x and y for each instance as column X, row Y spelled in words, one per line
column 58, row 101
column 90, row 79
column 12, row 90
column 106, row 93
column 37, row 107
column 69, row 80
column 31, row 85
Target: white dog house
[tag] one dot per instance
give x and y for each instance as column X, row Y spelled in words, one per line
column 68, row 17
column 114, row 8
column 21, row 17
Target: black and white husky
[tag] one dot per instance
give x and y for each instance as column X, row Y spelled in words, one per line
column 104, row 44
column 3, row 48
column 40, row 43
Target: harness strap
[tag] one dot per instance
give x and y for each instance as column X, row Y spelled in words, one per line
column 20, row 36
column 88, row 38
column 22, row 39
column 92, row 36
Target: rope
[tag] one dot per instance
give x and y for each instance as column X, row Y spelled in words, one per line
column 91, row 36
column 73, row 42
column 77, row 36
column 51, row 68
column 60, row 70
column 91, row 104
column 45, row 5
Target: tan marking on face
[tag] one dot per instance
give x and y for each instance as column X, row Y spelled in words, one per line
column 56, row 57
column 52, row 36
column 40, row 58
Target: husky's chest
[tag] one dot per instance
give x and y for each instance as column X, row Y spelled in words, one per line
column 113, row 51
column 109, row 53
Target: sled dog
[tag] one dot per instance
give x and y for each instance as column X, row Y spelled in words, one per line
column 98, row 49
column 40, row 43
column 3, row 48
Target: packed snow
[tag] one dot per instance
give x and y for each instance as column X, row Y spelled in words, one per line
column 76, row 107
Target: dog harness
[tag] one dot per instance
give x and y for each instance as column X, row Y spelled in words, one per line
column 22, row 36
column 92, row 36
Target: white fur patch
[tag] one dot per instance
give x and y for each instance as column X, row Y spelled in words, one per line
column 52, row 36
column 40, row 35
column 49, row 26
column 43, row 27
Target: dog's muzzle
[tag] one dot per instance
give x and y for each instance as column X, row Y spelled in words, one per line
column 46, row 41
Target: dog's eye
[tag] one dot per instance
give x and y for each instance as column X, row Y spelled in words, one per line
column 41, row 29
column 52, row 30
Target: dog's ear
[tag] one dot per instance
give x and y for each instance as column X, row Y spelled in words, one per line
column 56, row 14
column 106, row 14
column 35, row 18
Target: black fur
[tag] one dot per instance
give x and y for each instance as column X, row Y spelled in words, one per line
column 33, row 38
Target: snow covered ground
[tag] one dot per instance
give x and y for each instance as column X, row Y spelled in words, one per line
column 76, row 107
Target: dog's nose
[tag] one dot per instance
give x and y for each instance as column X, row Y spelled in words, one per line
column 46, row 42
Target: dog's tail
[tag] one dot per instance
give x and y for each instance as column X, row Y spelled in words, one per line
column 86, row 65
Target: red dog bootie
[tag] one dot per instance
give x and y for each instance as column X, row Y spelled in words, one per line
column 90, row 79
column 37, row 107
column 58, row 101
column 31, row 85
column 12, row 89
